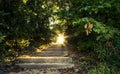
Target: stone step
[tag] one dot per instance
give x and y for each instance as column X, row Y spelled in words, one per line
column 54, row 57
column 55, row 49
column 45, row 65
column 55, row 46
column 44, row 59
column 51, row 53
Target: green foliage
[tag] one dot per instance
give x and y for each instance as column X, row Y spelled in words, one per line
column 19, row 43
column 93, row 26
column 2, row 37
column 21, row 23
column 102, row 68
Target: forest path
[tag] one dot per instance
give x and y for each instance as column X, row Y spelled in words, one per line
column 49, row 61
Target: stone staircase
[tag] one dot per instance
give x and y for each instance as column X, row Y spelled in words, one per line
column 54, row 57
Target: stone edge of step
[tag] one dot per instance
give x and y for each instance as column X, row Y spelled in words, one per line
column 46, row 65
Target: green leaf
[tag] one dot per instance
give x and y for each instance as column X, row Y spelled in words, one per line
column 25, row 1
column 107, row 5
column 99, row 37
column 107, row 36
column 2, row 37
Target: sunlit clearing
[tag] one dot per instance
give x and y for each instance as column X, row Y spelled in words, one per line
column 60, row 39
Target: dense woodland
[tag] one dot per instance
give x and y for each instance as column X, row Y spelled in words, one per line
column 92, row 27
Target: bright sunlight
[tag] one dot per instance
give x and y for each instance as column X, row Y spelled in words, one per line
column 60, row 39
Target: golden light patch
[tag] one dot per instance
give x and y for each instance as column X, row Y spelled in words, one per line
column 60, row 39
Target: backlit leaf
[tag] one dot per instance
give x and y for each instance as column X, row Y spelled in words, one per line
column 25, row 1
